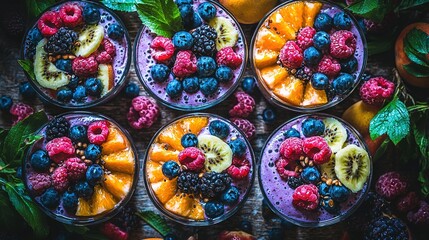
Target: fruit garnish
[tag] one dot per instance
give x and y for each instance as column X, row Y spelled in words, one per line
column 181, row 204
column 335, row 134
column 274, row 75
column 143, row 112
column 328, row 169
column 154, row 171
column 218, row 153
column 227, row 34
column 281, row 26
column 311, row 9
column 391, row 185
column 192, row 159
column 83, row 208
column 286, row 168
column 265, row 57
column 165, row 189
column 115, row 142
column 172, row 136
column 306, row 197
column 120, row 161
column 197, row 212
column 268, row 39
column 160, row 152
column 118, row 184
column 90, row 38
column 376, row 91
column 313, row 97
column 292, row 14
column 194, row 124
column 291, row 90
column 102, row 200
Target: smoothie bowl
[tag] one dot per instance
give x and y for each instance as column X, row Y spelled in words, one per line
column 199, row 169
column 83, row 170
column 200, row 66
column 79, row 54
column 315, row 170
column 308, row 55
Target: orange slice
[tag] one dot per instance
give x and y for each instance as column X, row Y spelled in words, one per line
column 194, row 124
column 292, row 14
column 102, row 200
column 122, row 161
column 290, row 91
column 83, row 208
column 267, row 39
column 160, row 152
column 197, row 211
column 180, row 204
column 165, row 189
column 118, row 184
column 172, row 136
column 281, row 26
column 274, row 75
column 265, row 57
column 154, row 171
column 310, row 12
column 313, row 97
column 115, row 142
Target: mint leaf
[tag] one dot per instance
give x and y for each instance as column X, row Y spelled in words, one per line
column 36, row 7
column 120, row 5
column 420, row 130
column 155, row 221
column 373, row 9
column 418, row 40
column 27, row 66
column 392, row 119
column 406, row 4
column 414, row 56
column 417, row 70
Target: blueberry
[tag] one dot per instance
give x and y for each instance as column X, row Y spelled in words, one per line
column 246, row 226
column 83, row 189
column 342, row 21
column 79, row 94
column 170, row 169
column 275, row 234
column 93, row 87
column 310, row 175
column 50, row 198
column 115, row 31
column 209, row 85
column 319, row 81
column 78, row 133
column 343, row 83
column 174, row 88
column 74, row 82
column 181, row 2
column 349, row 65
column 238, row 147
column 324, row 189
column 5, row 103
column 160, row 72
column 323, row 22
column 94, row 174
column 330, row 205
column 248, row 84
column 183, row 40
column 26, row 90
column 224, row 74
column 35, row 35
column 91, row 14
column 312, row 56
column 339, row 193
column 321, row 40
column 132, row 90
column 268, row 115
column 219, row 129
column 312, row 127
column 230, row 196
column 92, row 152
column 70, row 201
column 207, row 11
column 206, row 66
column 170, row 237
column 291, row 132
column 187, row 14
column 196, row 21
column 64, row 95
column 64, row 64
column 214, row 209
column 40, row 161
column 189, row 140
column 191, row 84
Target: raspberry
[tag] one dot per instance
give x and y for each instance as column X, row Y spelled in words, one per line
column 317, row 149
column 98, row 132
column 85, row 67
column 143, row 113
column 239, row 168
column 391, row 185
column 227, row 57
column 39, row 182
column 306, row 197
column 106, row 52
column 162, row 49
column 343, row 44
column 49, row 23
column 291, row 55
column 376, row 90
column 76, row 168
column 286, row 168
column 20, row 111
column 421, row 216
column 192, row 158
column 408, row 202
column 113, row 232
column 71, row 15
column 291, row 148
column 329, row 66
column 60, row 180
column 185, row 64
column 244, row 107
column 305, row 37
column 245, row 125
column 60, row 149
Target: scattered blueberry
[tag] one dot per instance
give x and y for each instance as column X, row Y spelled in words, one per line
column 50, row 198
column 160, row 72
column 343, row 83
column 238, row 147
column 191, row 84
column 323, row 22
column 324, row 189
column 248, row 84
column 330, row 205
column 230, row 196
column 40, row 161
column 214, row 209
column 268, row 115
column 219, row 129
column 94, row 174
column 83, row 189
column 93, row 87
column 115, row 31
column 170, row 169
column 321, row 40
column 79, row 94
column 275, row 234
column 70, row 202
column 206, row 66
column 207, row 11
column 26, row 90
column 189, row 140
column 5, row 103
column 224, row 74
column 349, row 65
column 339, row 193
column 74, row 82
column 196, row 21
column 64, row 64
column 312, row 56
column 246, row 226
column 91, row 14
column 291, row 132
column 35, row 35
column 174, row 88
column 64, row 95
column 187, row 14
column 92, row 152
column 312, row 127
column 320, row 81
column 183, row 40
column 342, row 21
column 208, row 85
column 132, row 90
column 310, row 175
column 78, row 133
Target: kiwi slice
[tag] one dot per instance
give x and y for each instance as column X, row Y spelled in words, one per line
column 227, row 34
column 335, row 134
column 47, row 75
column 90, row 38
column 328, row 168
column 352, row 167
column 105, row 74
column 218, row 153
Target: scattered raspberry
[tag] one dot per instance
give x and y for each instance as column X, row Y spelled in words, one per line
column 71, row 15
column 76, row 168
column 291, row 55
column 291, row 148
column 39, row 182
column 60, row 149
column 49, row 23
column 286, row 168
column 376, row 90
column 106, row 52
column 329, row 66
column 227, row 56
column 408, row 202
column 85, row 67
column 306, row 197
column 245, row 125
column 60, row 180
column 239, row 168
column 317, row 149
column 421, row 216
column 305, row 37
column 143, row 113
column 391, row 185
column 343, row 44
column 162, row 49
column 244, row 107
column 20, row 111
column 192, row 158
column 185, row 64
column 113, row 232
column 98, row 132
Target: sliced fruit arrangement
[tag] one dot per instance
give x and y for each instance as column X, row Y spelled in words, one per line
column 194, row 166
column 74, row 52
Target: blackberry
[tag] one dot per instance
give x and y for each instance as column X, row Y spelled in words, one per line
column 213, row 184
column 294, row 182
column 188, row 182
column 304, row 73
column 386, row 228
column 61, row 42
column 204, row 40
column 59, row 127
column 126, row 219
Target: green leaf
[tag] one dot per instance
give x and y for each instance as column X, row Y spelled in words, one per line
column 415, row 56
column 380, row 45
column 36, row 7
column 372, row 9
column 155, row 221
column 417, row 39
column 120, row 5
column 381, row 150
column 27, row 66
column 406, row 4
column 9, row 217
column 422, row 140
column 417, row 70
column 392, row 119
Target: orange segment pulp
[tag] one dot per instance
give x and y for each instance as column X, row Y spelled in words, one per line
column 310, row 12
column 281, row 26
column 172, row 136
column 154, row 171
column 122, row 161
column 83, row 208
column 267, row 39
column 118, row 184
column 102, row 200
column 115, row 142
column 274, row 75
column 290, row 91
column 194, row 124
column 165, row 189
column 180, row 204
column 313, row 97
column 160, row 152
column 292, row 14
column 197, row 211
column 265, row 57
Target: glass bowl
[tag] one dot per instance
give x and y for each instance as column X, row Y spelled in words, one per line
column 186, row 102
column 111, row 73
column 118, row 159
column 278, row 192
column 190, row 208
column 291, row 88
